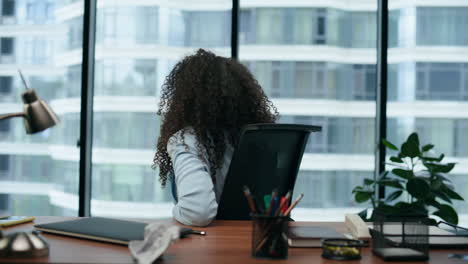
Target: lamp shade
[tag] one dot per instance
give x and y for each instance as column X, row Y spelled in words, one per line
column 38, row 116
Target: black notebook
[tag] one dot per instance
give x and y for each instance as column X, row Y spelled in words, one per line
column 98, row 228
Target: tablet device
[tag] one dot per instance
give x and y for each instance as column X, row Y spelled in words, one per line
column 98, row 228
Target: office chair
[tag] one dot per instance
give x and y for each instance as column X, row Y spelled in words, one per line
column 267, row 156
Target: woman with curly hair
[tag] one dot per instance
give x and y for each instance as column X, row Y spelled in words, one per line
column 205, row 102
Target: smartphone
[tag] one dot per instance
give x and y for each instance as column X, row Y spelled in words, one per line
column 14, row 220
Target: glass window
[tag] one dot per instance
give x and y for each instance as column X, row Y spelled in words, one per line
column 333, row 92
column 33, row 163
column 461, row 138
column 4, row 163
column 268, row 26
column 8, row 7
column 7, row 47
column 441, row 26
column 364, row 31
column 6, row 84
column 140, row 42
column 304, row 26
column 207, row 29
column 4, row 127
column 438, row 79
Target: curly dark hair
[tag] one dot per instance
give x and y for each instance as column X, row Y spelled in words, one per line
column 212, row 95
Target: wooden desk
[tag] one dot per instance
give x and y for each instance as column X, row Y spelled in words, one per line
column 225, row 242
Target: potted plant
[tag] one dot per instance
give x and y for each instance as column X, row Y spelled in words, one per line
column 417, row 178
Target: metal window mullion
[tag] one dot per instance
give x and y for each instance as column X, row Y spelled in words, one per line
column 86, row 122
column 381, row 95
column 235, row 30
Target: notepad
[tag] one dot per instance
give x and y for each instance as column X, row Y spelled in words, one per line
column 310, row 236
column 98, row 228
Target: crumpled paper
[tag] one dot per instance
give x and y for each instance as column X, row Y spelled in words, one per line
column 157, row 238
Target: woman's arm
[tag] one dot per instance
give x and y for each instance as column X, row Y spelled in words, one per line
column 196, row 199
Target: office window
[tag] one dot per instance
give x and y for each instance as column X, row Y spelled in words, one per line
column 5, row 126
column 37, row 159
column 141, row 43
column 124, row 25
column 321, row 26
column 7, row 46
column 364, row 31
column 441, row 26
column 440, row 83
column 268, row 25
column 39, row 12
column 320, row 92
column 147, row 25
column 8, row 7
column 6, row 84
column 246, row 31
column 124, row 76
column 461, row 137
column 326, row 80
column 365, row 82
column 207, row 29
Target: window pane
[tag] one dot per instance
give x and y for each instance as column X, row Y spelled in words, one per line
column 8, row 7
column 429, row 90
column 137, row 45
column 39, row 172
column 293, row 51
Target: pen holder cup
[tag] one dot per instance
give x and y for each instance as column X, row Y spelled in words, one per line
column 269, row 236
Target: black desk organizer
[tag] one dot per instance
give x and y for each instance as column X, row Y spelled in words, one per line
column 400, row 237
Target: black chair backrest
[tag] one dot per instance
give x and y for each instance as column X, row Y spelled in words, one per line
column 267, row 156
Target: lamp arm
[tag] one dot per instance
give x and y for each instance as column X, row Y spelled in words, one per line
column 11, row 115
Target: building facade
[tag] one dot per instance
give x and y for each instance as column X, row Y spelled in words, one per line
column 315, row 60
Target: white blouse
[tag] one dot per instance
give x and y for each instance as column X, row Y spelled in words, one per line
column 197, row 197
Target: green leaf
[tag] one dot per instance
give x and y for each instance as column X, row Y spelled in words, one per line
column 357, row 188
column 395, row 183
column 427, row 147
column 418, row 187
column 439, row 167
column 363, row 214
column 411, row 147
column 442, row 196
column 451, row 193
column 383, row 175
column 416, row 207
column 433, row 202
column 389, row 145
column 405, row 174
column 433, row 159
column 436, row 184
column 388, row 209
column 441, row 157
column 413, row 139
column 431, row 222
column 361, row 197
column 394, row 195
column 447, row 168
column 409, row 150
column 430, row 159
column 447, row 213
column 368, row 181
column 396, row 159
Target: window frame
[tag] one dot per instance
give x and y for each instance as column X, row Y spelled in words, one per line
column 87, row 93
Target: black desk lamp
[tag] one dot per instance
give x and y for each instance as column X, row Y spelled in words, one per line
column 37, row 114
column 37, row 117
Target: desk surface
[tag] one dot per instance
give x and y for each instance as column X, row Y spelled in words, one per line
column 225, row 242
